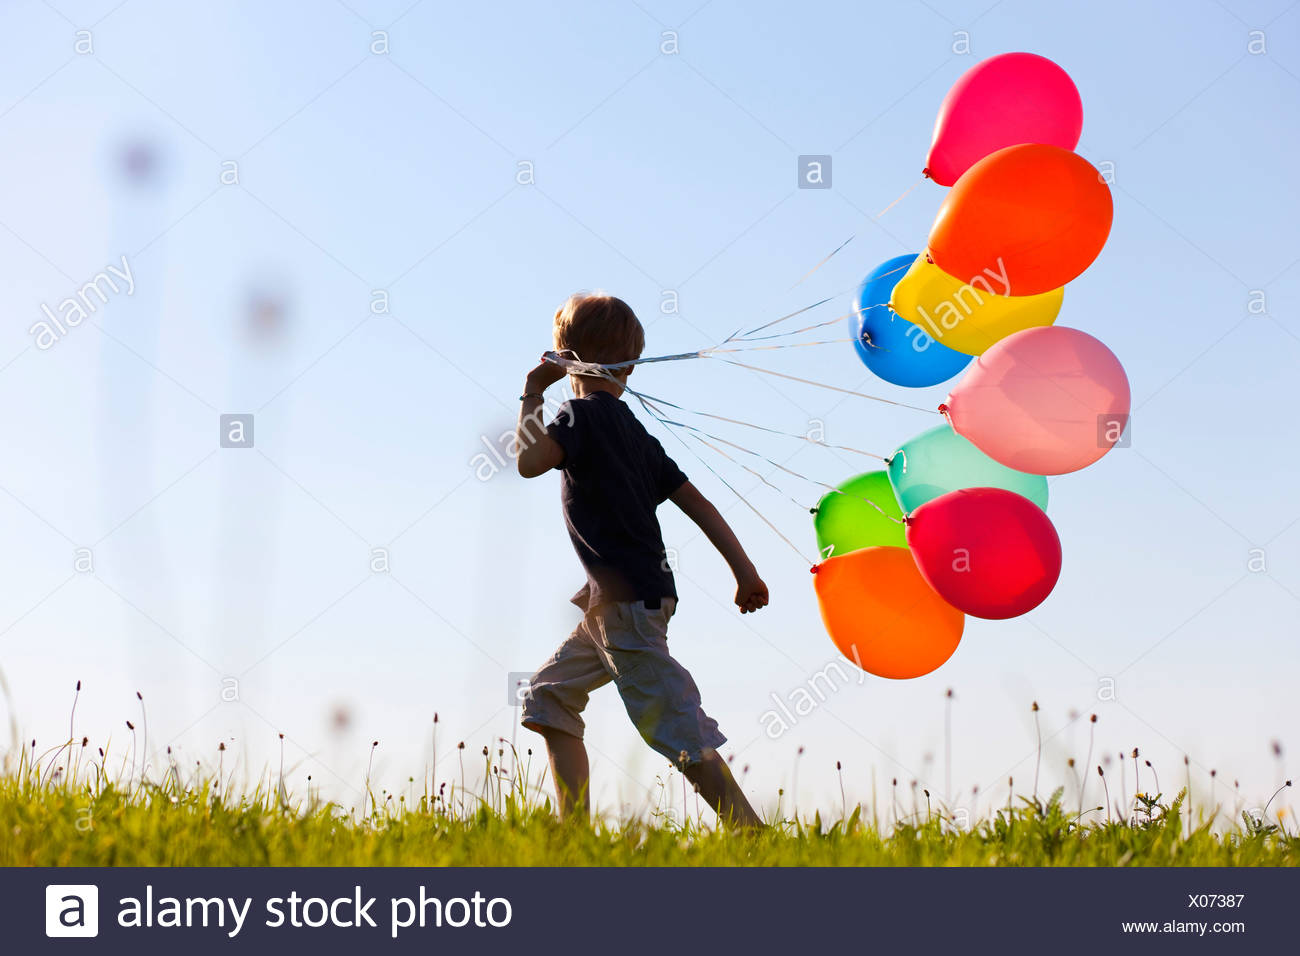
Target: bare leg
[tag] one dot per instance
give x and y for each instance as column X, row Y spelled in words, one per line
column 713, row 778
column 569, row 770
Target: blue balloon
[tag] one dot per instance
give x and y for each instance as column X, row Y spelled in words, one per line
column 893, row 348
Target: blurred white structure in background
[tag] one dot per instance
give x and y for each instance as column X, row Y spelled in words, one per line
column 138, row 207
column 251, row 489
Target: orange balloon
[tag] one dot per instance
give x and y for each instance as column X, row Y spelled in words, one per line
column 1027, row 219
column 883, row 616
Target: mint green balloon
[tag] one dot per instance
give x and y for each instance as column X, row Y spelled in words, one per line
column 845, row 520
column 939, row 461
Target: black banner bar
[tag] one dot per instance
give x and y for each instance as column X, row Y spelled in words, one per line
column 632, row 911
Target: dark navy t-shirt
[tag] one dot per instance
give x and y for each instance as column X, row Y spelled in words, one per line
column 614, row 475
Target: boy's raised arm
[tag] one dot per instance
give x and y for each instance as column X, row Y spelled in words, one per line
column 751, row 592
column 537, row 451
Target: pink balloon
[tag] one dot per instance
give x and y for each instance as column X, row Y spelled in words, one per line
column 1006, row 100
column 1046, row 401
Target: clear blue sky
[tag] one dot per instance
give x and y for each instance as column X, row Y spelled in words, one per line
column 396, row 171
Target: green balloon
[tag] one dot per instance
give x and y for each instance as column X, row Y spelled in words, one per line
column 939, row 461
column 845, row 520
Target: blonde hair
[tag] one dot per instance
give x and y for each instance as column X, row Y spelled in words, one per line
column 598, row 328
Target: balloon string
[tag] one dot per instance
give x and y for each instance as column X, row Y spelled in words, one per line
column 643, row 397
column 768, row 348
column 806, row 328
column 823, row 262
column 902, row 196
column 901, row 268
column 789, row 315
column 738, row 335
column 745, row 501
column 777, row 335
column 700, row 436
column 833, row 388
column 830, row 489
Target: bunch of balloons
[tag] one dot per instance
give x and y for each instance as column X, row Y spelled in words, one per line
column 957, row 523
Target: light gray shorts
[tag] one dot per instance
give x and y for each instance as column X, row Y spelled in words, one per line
column 628, row 644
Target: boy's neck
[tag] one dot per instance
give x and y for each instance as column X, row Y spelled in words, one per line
column 584, row 385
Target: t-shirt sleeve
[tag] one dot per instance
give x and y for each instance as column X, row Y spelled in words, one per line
column 567, row 430
column 668, row 477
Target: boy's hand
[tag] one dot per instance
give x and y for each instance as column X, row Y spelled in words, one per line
column 751, row 592
column 545, row 375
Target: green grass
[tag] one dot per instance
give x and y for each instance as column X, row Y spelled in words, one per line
column 46, row 821
column 66, row 807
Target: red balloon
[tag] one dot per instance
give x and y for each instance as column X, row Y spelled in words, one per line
column 986, row 551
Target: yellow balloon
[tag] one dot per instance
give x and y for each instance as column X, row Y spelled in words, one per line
column 970, row 316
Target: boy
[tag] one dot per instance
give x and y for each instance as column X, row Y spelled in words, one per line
column 614, row 475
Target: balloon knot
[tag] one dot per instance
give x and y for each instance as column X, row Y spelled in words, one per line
column 926, row 172
column 812, row 511
column 814, row 569
column 943, row 408
column 929, row 258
